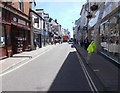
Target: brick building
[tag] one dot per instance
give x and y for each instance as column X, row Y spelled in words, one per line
column 14, row 27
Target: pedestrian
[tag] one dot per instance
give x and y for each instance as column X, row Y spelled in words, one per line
column 86, row 43
column 51, row 40
column 35, row 43
column 81, row 42
column 91, row 48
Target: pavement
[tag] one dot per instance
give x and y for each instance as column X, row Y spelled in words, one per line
column 16, row 59
column 107, row 72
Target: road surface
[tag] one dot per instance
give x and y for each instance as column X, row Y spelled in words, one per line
column 56, row 70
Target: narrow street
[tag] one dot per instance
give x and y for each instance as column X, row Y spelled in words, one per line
column 57, row 70
column 54, row 45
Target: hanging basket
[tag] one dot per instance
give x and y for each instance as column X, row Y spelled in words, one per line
column 89, row 16
column 94, row 7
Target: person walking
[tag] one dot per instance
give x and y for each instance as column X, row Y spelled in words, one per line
column 35, row 45
column 91, row 48
column 86, row 43
column 81, row 42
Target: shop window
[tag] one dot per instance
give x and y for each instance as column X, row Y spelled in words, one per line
column 2, row 35
column 110, row 33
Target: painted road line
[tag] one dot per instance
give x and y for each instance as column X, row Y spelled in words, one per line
column 90, row 81
column 25, row 63
column 12, row 65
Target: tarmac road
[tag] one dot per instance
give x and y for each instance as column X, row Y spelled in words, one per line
column 58, row 69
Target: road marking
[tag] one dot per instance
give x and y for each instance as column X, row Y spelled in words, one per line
column 96, row 70
column 23, row 59
column 90, row 81
column 36, row 53
column 12, row 66
column 25, row 63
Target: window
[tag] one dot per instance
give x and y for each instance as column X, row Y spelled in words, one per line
column 2, row 35
column 20, row 5
column 110, row 33
column 38, row 23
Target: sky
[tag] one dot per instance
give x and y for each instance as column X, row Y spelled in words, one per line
column 65, row 12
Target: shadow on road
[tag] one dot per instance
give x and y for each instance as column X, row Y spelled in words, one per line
column 70, row 77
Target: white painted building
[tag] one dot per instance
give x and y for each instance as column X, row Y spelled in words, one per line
column 36, row 26
column 103, row 28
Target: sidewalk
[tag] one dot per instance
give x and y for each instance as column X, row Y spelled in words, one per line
column 10, row 62
column 105, row 70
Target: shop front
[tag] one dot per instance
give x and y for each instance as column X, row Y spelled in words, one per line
column 37, row 38
column 5, row 27
column 21, row 38
column 2, row 41
column 110, row 36
column 14, row 33
column 20, row 34
column 44, row 37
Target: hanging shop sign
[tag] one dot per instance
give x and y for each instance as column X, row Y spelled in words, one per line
column 94, row 7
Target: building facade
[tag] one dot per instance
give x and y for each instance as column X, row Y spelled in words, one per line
column 103, row 27
column 56, row 33
column 36, row 29
column 44, row 26
column 15, row 27
column 110, row 31
column 77, row 33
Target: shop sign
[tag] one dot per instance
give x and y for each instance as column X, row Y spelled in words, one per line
column 21, row 22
